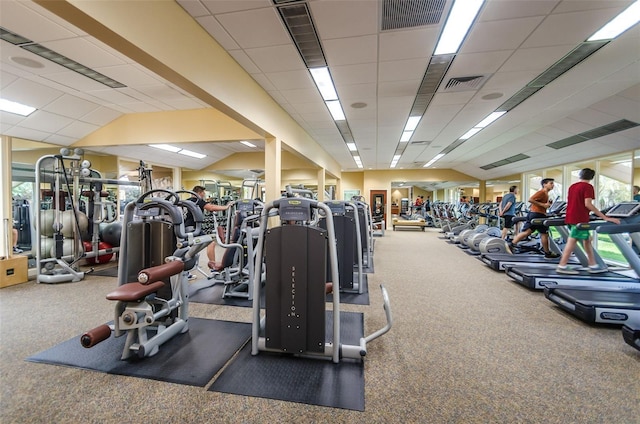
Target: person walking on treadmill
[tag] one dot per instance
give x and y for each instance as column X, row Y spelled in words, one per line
column 579, row 205
column 508, row 210
column 539, row 204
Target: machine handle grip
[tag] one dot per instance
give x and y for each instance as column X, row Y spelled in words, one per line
column 160, row 272
column 95, row 336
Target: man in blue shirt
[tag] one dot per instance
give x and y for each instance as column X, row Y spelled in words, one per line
column 508, row 210
column 636, row 193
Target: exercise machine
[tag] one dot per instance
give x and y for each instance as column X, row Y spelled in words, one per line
column 151, row 299
column 605, row 300
column 295, row 258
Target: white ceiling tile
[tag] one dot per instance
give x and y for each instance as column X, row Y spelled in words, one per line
column 266, row 28
column 358, row 92
column 511, row 81
column 568, row 28
column 399, row 70
column 101, row 116
column 398, row 88
column 193, row 7
column 45, row 121
column 354, row 74
column 77, row 130
column 22, row 20
column 245, row 61
column 478, row 63
column 75, row 80
column 496, row 10
column 6, row 78
column 408, row 44
column 353, row 50
column 10, row 119
column 345, row 18
column 30, row 93
column 128, row 75
column 213, row 27
column 70, row 106
column 226, row 6
column 84, row 52
column 27, row 133
column 538, row 59
column 301, row 96
column 60, row 140
column 499, row 35
column 276, row 58
column 291, row 80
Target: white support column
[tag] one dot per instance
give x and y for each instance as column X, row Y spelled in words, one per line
column 272, row 168
column 6, row 215
column 321, row 184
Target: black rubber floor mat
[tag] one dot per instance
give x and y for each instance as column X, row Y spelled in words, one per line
column 355, row 298
column 106, row 272
column 192, row 358
column 303, row 380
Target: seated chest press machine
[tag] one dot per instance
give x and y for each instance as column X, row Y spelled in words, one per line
column 155, row 257
column 295, row 257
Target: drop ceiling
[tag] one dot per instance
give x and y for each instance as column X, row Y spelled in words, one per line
column 377, row 74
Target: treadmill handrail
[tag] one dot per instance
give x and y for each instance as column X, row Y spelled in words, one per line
column 612, row 228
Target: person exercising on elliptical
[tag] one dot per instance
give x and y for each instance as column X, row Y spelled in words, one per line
column 539, row 204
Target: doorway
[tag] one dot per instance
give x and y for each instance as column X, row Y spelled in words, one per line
column 378, row 202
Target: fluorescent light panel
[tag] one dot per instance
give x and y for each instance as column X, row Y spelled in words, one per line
column 352, row 147
column 412, row 123
column 458, row 23
column 435, row 159
column 192, row 154
column 336, row 110
column 625, row 20
column 167, row 147
column 248, row 144
column 174, row 149
column 323, row 81
column 15, row 107
column 406, row 136
column 470, row 133
column 489, row 119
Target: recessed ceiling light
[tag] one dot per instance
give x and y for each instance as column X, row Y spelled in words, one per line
column 248, row 144
column 15, row 107
column 25, row 61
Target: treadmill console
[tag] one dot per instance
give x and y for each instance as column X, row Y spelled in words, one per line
column 624, row 210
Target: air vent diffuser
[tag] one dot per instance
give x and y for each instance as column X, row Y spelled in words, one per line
column 397, row 14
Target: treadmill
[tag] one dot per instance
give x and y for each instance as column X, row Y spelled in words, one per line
column 631, row 334
column 604, row 303
column 541, row 277
column 500, row 261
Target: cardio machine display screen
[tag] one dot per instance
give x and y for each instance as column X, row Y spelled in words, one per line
column 337, row 208
column 623, row 210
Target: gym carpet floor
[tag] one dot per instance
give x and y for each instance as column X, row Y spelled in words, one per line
column 467, row 346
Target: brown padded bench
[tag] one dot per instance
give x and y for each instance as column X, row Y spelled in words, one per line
column 410, row 223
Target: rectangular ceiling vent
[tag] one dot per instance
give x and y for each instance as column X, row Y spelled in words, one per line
column 56, row 57
column 571, row 59
column 611, row 128
column 438, row 67
column 507, row 161
column 298, row 21
column 464, row 83
column 398, row 14
column 421, row 143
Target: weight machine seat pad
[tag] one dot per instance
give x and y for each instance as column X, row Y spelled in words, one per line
column 133, row 292
column 161, row 272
